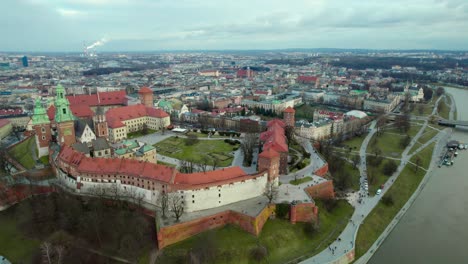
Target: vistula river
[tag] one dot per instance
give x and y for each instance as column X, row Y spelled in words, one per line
column 435, row 227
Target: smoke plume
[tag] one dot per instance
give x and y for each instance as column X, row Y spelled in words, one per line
column 97, row 43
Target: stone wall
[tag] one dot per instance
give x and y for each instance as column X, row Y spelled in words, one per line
column 304, row 212
column 171, row 234
column 322, row 191
column 322, row 170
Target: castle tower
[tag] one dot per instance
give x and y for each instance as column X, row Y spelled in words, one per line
column 100, row 123
column 146, row 96
column 288, row 116
column 269, row 160
column 64, row 118
column 41, row 125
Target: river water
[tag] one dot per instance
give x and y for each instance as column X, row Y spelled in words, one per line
column 434, row 229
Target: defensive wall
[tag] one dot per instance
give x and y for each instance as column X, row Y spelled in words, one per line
column 169, row 235
column 322, row 190
column 322, row 170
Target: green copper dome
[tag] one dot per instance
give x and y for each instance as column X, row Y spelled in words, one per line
column 62, row 106
column 40, row 114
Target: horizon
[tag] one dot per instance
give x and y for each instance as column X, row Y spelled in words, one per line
column 145, row 25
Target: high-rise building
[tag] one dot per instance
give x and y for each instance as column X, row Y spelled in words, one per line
column 25, row 61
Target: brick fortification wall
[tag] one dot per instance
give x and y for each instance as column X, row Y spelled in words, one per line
column 304, row 212
column 17, row 193
column 171, row 234
column 322, row 170
column 323, row 190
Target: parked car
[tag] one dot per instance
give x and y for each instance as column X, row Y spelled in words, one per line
column 379, row 191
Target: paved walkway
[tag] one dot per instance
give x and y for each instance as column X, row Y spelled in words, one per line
column 348, row 237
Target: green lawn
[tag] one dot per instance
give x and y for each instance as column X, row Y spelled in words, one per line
column 139, row 133
column 354, row 174
column 425, row 155
column 166, row 164
column 13, row 244
column 44, row 160
column 376, row 222
column 283, row 240
column 354, row 143
column 388, row 143
column 427, row 109
column 22, row 153
column 379, row 177
column 203, row 135
column 176, row 148
column 301, row 180
column 428, row 134
column 445, row 110
column 414, row 129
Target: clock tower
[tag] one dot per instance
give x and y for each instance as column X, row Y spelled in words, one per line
column 64, row 118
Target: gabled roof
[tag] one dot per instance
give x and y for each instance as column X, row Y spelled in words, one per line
column 100, row 98
column 145, row 90
column 81, row 111
column 209, row 177
column 132, row 112
column 289, row 110
column 269, row 153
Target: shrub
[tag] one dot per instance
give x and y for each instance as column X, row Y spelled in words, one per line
column 388, row 200
column 389, row 168
column 259, row 253
column 311, row 228
column 282, row 210
column 330, row 204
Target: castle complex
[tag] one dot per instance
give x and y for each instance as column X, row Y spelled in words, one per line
column 145, row 178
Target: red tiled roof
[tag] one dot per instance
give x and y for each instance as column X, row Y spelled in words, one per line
column 132, row 111
column 209, row 177
column 289, row 110
column 101, row 98
column 274, row 137
column 269, row 153
column 4, row 122
column 16, row 111
column 81, row 110
column 113, row 166
column 145, row 90
column 278, row 121
column 307, row 79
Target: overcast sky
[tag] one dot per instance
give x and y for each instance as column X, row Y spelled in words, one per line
column 132, row 25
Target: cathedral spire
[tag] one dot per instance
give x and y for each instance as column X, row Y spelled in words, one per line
column 62, row 106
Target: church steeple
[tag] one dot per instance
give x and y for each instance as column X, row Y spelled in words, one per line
column 41, row 126
column 64, row 118
column 62, row 106
column 40, row 114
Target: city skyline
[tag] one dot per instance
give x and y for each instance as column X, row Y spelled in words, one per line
column 71, row 25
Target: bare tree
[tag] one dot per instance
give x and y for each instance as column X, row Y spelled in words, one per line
column 356, row 160
column 46, row 249
column 215, row 162
column 176, row 203
column 60, row 250
column 418, row 162
column 421, row 109
column 247, row 147
column 289, row 133
column 271, row 191
column 203, row 164
column 163, row 201
column 187, row 166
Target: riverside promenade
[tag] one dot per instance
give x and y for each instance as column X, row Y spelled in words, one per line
column 343, row 249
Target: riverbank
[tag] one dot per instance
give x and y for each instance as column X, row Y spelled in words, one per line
column 433, row 225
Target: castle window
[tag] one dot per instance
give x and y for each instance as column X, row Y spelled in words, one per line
column 219, row 195
column 43, row 129
column 193, row 201
column 64, row 111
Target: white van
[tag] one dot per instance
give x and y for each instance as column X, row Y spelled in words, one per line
column 379, row 191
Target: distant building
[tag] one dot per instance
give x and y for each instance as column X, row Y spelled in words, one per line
column 25, row 61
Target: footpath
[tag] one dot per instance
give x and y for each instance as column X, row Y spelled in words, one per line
column 342, row 250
